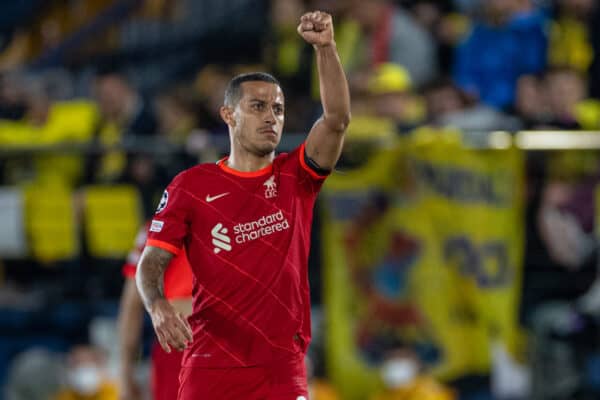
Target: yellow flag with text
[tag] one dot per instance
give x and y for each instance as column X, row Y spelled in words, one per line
column 423, row 248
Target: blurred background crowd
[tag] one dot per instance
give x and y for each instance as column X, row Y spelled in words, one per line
column 102, row 102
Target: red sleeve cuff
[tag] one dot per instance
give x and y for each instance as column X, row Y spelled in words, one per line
column 307, row 168
column 128, row 271
column 163, row 245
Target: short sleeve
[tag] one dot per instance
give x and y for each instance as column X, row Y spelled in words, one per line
column 128, row 269
column 179, row 278
column 309, row 179
column 169, row 226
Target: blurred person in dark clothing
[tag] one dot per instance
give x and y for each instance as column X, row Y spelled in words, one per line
column 392, row 34
column 556, row 100
column 124, row 115
column 570, row 43
column 509, row 42
column 179, row 121
column 446, row 26
column 210, row 84
column 559, row 260
column 47, row 120
column 12, row 97
column 291, row 59
column 449, row 106
column 559, row 302
column 122, row 105
column 177, row 114
column 594, row 37
column 125, row 118
column 287, row 55
column 565, row 88
column 531, row 103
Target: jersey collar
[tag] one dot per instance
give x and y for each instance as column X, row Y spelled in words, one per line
column 244, row 174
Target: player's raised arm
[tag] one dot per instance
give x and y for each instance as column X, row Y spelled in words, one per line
column 172, row 329
column 325, row 140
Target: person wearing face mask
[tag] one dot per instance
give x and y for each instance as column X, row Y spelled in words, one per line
column 86, row 377
column 403, row 379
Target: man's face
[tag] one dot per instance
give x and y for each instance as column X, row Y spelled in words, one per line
column 111, row 94
column 442, row 101
column 564, row 89
column 505, row 8
column 581, row 8
column 257, row 119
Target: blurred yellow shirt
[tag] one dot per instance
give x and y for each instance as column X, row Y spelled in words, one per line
column 320, row 390
column 108, row 391
column 570, row 44
column 423, row 388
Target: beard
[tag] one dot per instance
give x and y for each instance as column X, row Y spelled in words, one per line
column 259, row 148
column 264, row 149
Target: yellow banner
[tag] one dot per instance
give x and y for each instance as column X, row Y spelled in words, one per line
column 423, row 247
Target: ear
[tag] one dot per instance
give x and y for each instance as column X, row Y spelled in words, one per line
column 227, row 115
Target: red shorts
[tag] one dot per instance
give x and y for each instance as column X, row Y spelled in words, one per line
column 282, row 381
column 165, row 373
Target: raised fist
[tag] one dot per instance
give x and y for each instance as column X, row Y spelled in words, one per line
column 316, row 28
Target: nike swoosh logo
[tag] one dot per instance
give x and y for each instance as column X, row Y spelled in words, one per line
column 210, row 198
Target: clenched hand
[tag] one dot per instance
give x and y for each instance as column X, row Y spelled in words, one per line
column 171, row 327
column 316, row 28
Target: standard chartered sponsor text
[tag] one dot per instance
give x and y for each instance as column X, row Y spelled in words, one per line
column 264, row 226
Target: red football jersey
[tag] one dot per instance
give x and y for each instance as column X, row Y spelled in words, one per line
column 178, row 276
column 247, row 237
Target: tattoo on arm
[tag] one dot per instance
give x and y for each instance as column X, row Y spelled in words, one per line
column 150, row 273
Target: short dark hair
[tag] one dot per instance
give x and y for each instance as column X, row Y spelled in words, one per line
column 233, row 93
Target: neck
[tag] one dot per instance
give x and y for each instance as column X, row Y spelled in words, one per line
column 244, row 161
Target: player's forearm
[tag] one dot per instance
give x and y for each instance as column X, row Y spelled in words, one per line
column 130, row 326
column 150, row 273
column 335, row 95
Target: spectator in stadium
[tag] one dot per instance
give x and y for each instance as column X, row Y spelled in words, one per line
column 120, row 104
column 286, row 53
column 449, row 106
column 390, row 95
column 560, row 266
column 290, row 58
column 393, row 35
column 177, row 112
column 403, row 378
column 594, row 38
column 565, row 89
column 49, row 119
column 210, row 84
column 446, row 26
column 126, row 117
column 122, row 113
column 559, row 263
column 12, row 96
column 512, row 30
column 47, row 368
column 531, row 103
column 570, row 44
column 87, row 376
